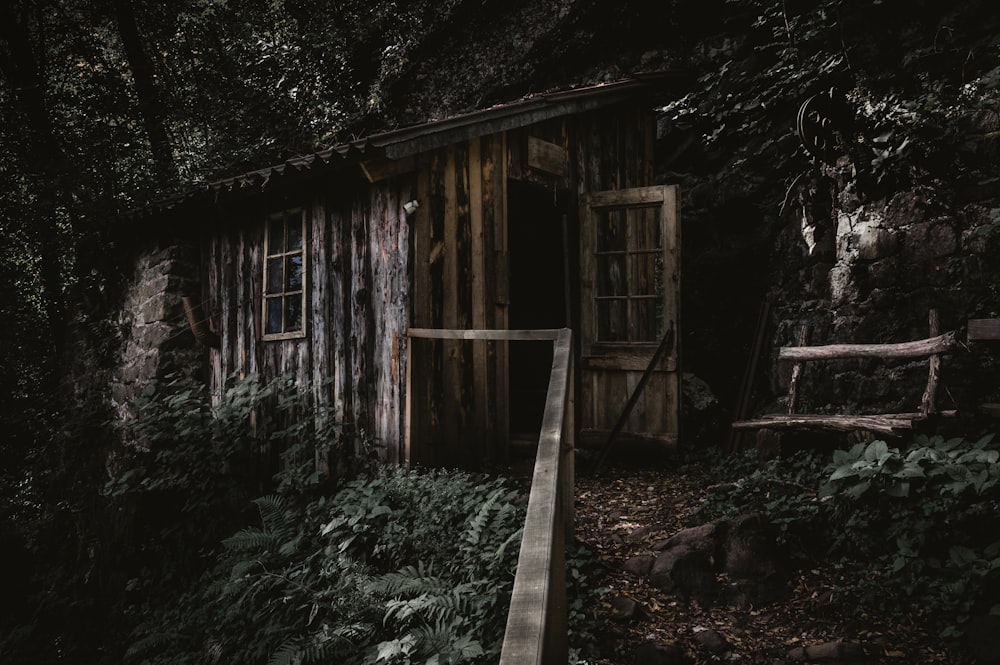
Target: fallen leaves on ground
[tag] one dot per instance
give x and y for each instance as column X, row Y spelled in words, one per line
column 623, row 512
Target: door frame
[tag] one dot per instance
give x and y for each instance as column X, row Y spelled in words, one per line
column 610, row 370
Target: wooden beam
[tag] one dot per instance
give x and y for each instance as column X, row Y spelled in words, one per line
column 548, row 157
column 380, row 168
column 928, row 402
column 509, row 335
column 536, row 623
column 983, row 330
column 888, row 424
column 536, row 631
column 797, row 371
column 916, row 349
column 636, row 361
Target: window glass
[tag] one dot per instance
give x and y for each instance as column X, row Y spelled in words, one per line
column 285, row 275
column 273, row 315
column 629, row 262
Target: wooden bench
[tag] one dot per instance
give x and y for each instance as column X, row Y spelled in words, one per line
column 889, row 424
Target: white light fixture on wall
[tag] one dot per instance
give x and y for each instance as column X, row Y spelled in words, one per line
column 410, row 207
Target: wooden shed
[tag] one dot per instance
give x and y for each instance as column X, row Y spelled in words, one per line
column 539, row 213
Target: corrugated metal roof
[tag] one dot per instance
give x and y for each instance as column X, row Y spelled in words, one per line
column 404, row 142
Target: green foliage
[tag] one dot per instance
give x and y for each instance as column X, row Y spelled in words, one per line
column 917, row 525
column 909, row 68
column 785, row 490
column 926, row 516
column 396, row 567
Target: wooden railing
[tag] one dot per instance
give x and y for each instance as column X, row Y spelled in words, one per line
column 536, row 622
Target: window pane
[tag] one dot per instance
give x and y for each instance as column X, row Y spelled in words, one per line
column 611, row 324
column 293, row 267
column 645, row 228
column 611, row 279
column 295, row 232
column 647, row 273
column 273, row 314
column 293, row 313
column 276, row 236
column 647, row 318
column 275, row 275
column 611, row 230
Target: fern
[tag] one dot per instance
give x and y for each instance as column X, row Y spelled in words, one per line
column 408, row 582
column 251, row 540
column 474, row 530
column 289, row 653
column 275, row 513
column 150, row 644
column 452, row 607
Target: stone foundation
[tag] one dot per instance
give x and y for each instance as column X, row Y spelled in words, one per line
column 158, row 341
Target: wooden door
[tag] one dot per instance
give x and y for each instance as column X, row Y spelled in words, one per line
column 630, row 294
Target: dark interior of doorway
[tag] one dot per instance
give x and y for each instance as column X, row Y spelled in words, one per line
column 537, row 297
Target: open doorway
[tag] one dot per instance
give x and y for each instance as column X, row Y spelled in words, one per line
column 538, row 299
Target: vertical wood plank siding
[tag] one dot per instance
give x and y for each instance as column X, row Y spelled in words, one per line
column 613, row 150
column 372, row 272
column 460, row 275
column 459, row 240
column 358, row 311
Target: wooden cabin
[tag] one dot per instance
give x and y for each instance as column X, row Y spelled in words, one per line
column 540, row 213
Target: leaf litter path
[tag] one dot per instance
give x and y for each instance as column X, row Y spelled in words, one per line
column 623, row 511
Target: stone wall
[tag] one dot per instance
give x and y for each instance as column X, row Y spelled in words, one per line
column 158, row 341
column 877, row 270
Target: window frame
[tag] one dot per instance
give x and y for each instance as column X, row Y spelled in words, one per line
column 622, row 355
column 630, row 253
column 285, row 217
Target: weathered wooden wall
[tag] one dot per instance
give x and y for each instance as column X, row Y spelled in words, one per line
column 357, row 275
column 613, row 150
column 372, row 272
column 461, row 275
column 459, row 272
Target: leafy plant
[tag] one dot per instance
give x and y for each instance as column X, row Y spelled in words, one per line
column 926, row 516
column 916, row 524
column 395, row 567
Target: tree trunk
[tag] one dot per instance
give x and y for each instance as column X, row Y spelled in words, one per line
column 150, row 108
column 43, row 155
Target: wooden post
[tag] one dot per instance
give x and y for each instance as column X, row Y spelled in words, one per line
column 793, row 383
column 569, row 453
column 928, row 403
column 536, row 622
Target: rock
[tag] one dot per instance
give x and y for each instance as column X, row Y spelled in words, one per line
column 626, row 609
column 704, row 538
column 686, row 571
column 832, row 653
column 652, row 653
column 639, row 566
column 712, row 641
column 641, row 532
column 743, row 548
column 749, row 548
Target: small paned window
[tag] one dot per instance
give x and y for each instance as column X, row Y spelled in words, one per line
column 284, row 307
column 629, row 261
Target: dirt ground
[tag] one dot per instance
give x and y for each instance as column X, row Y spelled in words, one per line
column 622, row 511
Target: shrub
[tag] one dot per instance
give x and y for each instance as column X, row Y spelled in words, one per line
column 926, row 518
column 398, row 567
column 918, row 524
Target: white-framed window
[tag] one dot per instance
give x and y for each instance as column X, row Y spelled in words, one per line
column 285, row 275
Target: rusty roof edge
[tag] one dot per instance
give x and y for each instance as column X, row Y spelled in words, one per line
column 407, row 141
column 542, row 106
